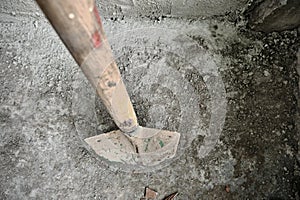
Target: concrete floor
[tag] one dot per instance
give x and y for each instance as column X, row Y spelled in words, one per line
column 230, row 92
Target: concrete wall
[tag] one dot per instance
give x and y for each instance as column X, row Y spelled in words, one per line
column 174, row 8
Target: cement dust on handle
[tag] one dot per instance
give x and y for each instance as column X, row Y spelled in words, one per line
column 132, row 144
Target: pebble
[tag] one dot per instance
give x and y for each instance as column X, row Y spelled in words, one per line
column 284, row 168
column 266, row 73
column 35, row 24
column 205, row 78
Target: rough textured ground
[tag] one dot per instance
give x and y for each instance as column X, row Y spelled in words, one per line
column 195, row 76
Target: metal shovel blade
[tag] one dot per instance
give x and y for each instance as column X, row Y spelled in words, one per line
column 148, row 147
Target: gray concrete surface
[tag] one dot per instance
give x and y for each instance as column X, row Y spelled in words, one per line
column 176, row 70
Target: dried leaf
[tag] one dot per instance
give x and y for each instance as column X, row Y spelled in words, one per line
column 150, row 194
column 172, row 196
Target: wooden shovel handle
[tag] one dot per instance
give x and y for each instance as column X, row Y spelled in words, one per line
column 78, row 24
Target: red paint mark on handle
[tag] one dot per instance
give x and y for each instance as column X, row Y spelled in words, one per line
column 96, row 39
column 96, row 13
column 97, row 35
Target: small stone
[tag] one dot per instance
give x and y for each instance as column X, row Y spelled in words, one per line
column 35, row 24
column 266, row 73
column 227, row 188
column 278, row 133
column 205, row 78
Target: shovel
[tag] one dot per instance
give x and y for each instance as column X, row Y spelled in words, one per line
column 79, row 26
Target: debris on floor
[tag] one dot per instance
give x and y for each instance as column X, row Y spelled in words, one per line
column 151, row 194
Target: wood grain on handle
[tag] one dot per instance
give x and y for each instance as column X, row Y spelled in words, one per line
column 78, row 24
